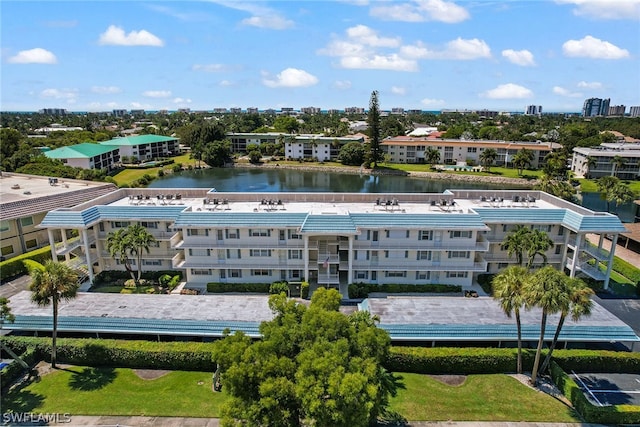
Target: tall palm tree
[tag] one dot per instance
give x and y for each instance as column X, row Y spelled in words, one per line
column 545, row 290
column 51, row 283
column 591, row 163
column 577, row 304
column 509, row 289
column 536, row 242
column 140, row 240
column 514, row 243
column 119, row 247
column 432, row 155
column 522, row 159
column 487, row 157
column 617, row 163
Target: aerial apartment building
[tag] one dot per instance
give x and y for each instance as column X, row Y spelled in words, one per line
column 145, row 147
column 331, row 239
column 87, row 155
column 411, row 149
column 618, row 159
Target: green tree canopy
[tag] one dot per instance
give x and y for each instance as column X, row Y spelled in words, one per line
column 352, row 153
column 313, row 365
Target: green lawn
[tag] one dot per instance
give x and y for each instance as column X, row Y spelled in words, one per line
column 106, row 391
column 590, row 186
column 116, row 289
column 480, row 398
column 128, row 176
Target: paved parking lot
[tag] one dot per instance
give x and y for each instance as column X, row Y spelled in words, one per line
column 610, row 389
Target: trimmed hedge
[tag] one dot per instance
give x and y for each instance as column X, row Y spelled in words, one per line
column 615, row 414
column 15, row 267
column 180, row 356
column 220, row 288
column 449, row 360
column 14, row 370
column 362, row 290
column 627, row 269
column 111, row 276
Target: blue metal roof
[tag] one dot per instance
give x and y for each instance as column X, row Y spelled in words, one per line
column 66, row 218
column 446, row 221
column 239, row 219
column 596, row 223
column 205, row 328
column 329, row 223
column 521, row 215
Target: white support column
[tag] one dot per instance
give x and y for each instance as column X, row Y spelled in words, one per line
column 350, row 279
column 52, row 242
column 87, row 253
column 612, row 252
column 305, row 256
column 63, row 232
column 98, row 249
column 576, row 254
column 565, row 249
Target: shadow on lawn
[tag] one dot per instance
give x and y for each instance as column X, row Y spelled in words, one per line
column 19, row 400
column 92, row 379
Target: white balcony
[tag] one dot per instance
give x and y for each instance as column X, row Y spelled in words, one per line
column 71, row 244
column 588, row 269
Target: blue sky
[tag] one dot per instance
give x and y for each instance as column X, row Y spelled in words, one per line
column 423, row 54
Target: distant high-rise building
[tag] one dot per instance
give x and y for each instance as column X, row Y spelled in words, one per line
column 397, row 110
column 53, row 111
column 137, row 112
column 252, row 110
column 595, row 107
column 533, row 110
column 333, row 111
column 634, row 111
column 220, row 110
column 354, row 110
column 310, row 110
column 617, row 110
column 235, row 110
column 119, row 113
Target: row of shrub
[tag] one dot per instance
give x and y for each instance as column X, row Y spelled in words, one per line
column 183, row 356
column 362, row 290
column 15, row 267
column 220, row 288
column 453, row 360
column 109, row 277
column 627, row 269
column 610, row 415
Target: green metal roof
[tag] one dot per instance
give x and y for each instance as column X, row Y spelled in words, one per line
column 86, row 150
column 137, row 140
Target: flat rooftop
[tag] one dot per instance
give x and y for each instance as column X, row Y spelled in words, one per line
column 407, row 318
column 19, row 187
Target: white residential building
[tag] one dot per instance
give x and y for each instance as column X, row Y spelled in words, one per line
column 596, row 162
column 331, row 239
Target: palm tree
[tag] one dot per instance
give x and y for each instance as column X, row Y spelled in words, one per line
column 51, row 283
column 140, row 240
column 509, row 289
column 537, row 242
column 545, row 290
column 514, row 243
column 577, row 304
column 522, row 159
column 432, row 155
column 487, row 157
column 617, row 163
column 7, row 316
column 621, row 194
column 591, row 163
column 131, row 241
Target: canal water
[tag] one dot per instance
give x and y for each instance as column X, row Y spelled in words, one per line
column 291, row 180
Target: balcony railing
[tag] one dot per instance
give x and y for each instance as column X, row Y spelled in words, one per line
column 328, row 279
column 591, row 249
column 588, row 269
column 71, row 244
column 423, row 245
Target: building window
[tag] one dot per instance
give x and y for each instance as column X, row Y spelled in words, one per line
column 156, row 262
column 291, row 234
column 395, row 274
column 260, row 272
column 459, row 254
column 260, row 252
column 4, row 225
column 295, row 254
column 199, row 252
column 119, row 224
column 503, row 265
column 201, row 271
column 425, row 235
column 362, row 275
column 423, row 275
column 260, row 233
column 6, row 250
column 26, row 221
column 235, row 273
column 457, row 274
column 460, row 234
column 472, row 149
column 232, row 234
column 131, row 262
column 31, row 243
column 558, row 250
column 147, row 224
column 424, row 255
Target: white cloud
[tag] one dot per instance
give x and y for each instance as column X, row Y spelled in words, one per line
column 290, row 77
column 467, row 49
column 367, row 36
column 69, row 95
column 591, row 47
column 105, row 89
column 590, row 85
column 342, row 84
column 34, row 56
column 558, row 90
column 428, row 102
column 261, row 16
column 116, row 36
column 157, row 93
column 508, row 91
column 606, row 9
column 226, row 83
column 182, row 101
column 397, row 90
column 421, row 11
column 393, row 62
column 519, row 57
column 210, row 68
